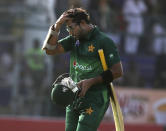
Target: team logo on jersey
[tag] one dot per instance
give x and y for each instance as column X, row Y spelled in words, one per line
column 89, row 111
column 91, row 48
column 81, row 67
column 111, row 56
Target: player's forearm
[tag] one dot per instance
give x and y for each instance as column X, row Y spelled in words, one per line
column 51, row 46
column 96, row 80
column 114, row 73
column 117, row 70
column 52, row 37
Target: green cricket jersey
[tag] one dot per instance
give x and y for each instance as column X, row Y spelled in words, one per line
column 84, row 58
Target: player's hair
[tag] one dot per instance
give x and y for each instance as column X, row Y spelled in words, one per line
column 78, row 14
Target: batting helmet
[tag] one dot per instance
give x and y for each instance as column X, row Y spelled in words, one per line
column 62, row 95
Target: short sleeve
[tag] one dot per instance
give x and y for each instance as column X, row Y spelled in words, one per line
column 67, row 43
column 110, row 52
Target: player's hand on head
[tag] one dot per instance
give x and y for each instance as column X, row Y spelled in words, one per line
column 62, row 19
column 84, row 85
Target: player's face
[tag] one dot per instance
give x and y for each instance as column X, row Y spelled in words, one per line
column 73, row 29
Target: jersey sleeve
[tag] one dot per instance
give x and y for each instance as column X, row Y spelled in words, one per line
column 110, row 51
column 67, row 43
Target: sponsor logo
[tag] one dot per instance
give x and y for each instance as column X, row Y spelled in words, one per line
column 81, row 67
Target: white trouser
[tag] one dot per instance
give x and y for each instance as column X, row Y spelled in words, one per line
column 131, row 44
column 159, row 45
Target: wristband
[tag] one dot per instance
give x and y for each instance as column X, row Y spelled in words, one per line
column 107, row 76
column 50, row 47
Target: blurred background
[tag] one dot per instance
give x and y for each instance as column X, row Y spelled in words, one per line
column 138, row 27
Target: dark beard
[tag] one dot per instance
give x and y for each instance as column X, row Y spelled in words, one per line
column 82, row 37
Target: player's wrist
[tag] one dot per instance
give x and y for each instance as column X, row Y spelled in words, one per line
column 107, row 76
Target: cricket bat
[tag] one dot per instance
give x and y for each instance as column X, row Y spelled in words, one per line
column 118, row 116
